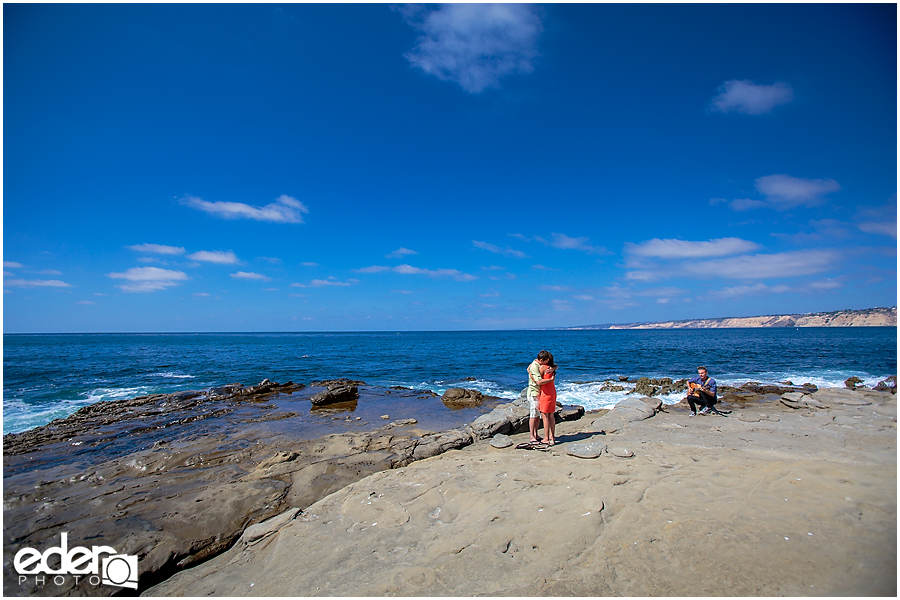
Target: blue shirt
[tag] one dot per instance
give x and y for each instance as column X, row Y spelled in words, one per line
column 709, row 386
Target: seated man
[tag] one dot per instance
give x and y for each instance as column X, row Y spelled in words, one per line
column 703, row 393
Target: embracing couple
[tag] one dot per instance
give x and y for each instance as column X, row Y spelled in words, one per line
column 542, row 398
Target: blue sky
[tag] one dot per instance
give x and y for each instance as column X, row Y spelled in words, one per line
column 374, row 167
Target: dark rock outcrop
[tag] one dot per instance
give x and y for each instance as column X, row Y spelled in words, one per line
column 335, row 393
column 461, row 396
column 888, row 385
column 852, row 382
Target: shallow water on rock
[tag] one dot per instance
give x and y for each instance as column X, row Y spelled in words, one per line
column 284, row 417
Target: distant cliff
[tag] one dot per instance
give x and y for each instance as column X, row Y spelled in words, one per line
column 869, row 317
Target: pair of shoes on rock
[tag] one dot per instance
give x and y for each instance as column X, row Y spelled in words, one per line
column 538, row 445
column 693, row 414
column 705, row 411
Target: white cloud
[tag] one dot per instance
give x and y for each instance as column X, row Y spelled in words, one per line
column 402, row 291
column 765, row 266
column 755, row 266
column 676, row 249
column 498, row 250
column 880, row 228
column 8, row 264
column 555, row 288
column 401, row 252
column 216, row 256
column 744, row 204
column 825, row 284
column 490, row 295
column 583, row 297
column 201, row 294
column 310, row 264
column 157, row 249
column 148, row 279
column 246, row 275
column 285, row 209
column 86, row 302
column 561, row 305
column 543, row 268
column 436, row 273
column 410, row 270
column 331, row 281
column 564, row 242
column 494, row 268
column 751, row 99
column 35, row 283
column 748, row 290
column 784, row 192
column 374, row 269
column 881, row 220
column 474, row 45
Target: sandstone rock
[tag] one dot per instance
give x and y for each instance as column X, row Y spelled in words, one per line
column 653, row 403
column 627, row 411
column 888, row 385
column 585, row 450
column 800, row 400
column 610, row 423
column 334, row 394
column 506, row 418
column 840, row 396
column 637, row 409
column 501, row 441
column 621, row 452
column 644, row 387
column 623, row 378
column 569, row 412
column 462, row 397
column 438, row 443
column 255, row 533
column 852, row 382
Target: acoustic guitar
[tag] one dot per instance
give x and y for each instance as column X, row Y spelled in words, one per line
column 693, row 386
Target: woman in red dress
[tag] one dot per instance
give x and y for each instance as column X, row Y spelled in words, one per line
column 547, row 402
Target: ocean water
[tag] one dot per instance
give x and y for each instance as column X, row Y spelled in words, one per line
column 49, row 376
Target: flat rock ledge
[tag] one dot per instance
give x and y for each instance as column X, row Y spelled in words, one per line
column 777, row 498
column 627, row 411
column 181, row 502
column 586, row 450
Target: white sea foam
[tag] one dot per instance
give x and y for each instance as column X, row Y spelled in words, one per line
column 20, row 416
column 98, row 394
column 170, row 375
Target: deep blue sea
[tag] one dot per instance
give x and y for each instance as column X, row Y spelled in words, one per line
column 50, row 376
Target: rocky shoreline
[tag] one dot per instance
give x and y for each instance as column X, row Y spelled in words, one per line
column 777, row 499
column 214, row 467
column 187, row 493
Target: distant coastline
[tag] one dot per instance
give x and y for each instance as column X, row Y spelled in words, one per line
column 868, row 317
